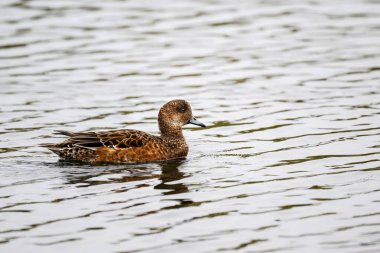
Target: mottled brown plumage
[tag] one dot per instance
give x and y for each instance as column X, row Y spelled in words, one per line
column 131, row 146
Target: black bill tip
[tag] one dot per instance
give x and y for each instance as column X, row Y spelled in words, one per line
column 194, row 121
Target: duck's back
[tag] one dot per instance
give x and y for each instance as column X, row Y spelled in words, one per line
column 125, row 145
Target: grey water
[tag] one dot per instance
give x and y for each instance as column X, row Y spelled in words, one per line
column 289, row 90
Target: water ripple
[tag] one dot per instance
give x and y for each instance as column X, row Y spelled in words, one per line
column 289, row 92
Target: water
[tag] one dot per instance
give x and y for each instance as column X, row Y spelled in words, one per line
column 289, row 91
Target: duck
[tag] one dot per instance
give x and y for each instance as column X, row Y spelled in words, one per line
column 129, row 145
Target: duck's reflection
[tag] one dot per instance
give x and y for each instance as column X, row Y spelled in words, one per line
column 170, row 173
column 84, row 175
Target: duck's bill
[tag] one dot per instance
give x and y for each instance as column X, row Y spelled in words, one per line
column 196, row 122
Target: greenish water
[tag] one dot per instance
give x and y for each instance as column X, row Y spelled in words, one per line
column 289, row 90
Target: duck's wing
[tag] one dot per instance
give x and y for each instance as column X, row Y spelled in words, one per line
column 125, row 138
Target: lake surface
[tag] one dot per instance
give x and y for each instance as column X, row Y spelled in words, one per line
column 289, row 90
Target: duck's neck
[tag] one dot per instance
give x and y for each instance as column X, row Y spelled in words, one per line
column 171, row 131
column 173, row 138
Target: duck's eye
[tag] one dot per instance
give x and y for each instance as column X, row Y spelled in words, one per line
column 182, row 109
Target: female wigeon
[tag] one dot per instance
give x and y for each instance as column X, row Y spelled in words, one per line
column 131, row 146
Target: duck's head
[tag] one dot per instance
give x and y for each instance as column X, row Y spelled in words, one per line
column 175, row 114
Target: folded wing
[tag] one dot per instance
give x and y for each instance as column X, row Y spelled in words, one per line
column 125, row 138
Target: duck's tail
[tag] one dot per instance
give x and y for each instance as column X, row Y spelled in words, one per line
column 52, row 147
column 69, row 149
column 63, row 132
